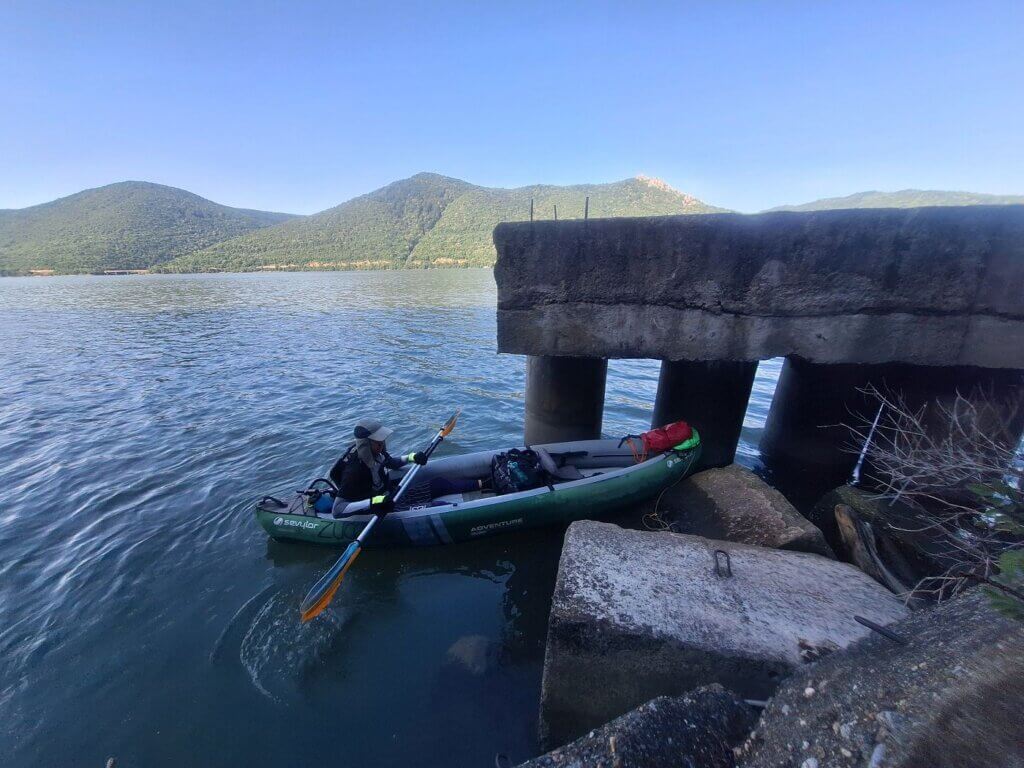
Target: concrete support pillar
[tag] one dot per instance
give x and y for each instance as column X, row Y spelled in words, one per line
column 804, row 434
column 711, row 396
column 564, row 398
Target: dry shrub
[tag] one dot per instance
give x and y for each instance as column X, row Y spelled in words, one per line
column 956, row 469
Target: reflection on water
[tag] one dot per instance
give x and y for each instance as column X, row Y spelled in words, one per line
column 145, row 615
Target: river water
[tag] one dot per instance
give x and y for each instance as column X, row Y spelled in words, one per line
column 143, row 613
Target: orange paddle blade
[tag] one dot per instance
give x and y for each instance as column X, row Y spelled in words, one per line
column 450, row 424
column 321, row 595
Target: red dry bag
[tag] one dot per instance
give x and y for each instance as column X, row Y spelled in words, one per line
column 663, row 438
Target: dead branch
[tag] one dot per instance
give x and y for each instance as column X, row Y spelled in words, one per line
column 952, row 469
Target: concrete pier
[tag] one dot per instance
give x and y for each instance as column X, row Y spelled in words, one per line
column 564, row 398
column 927, row 286
column 711, row 396
column 932, row 297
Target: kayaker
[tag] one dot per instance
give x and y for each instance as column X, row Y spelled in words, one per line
column 364, row 471
column 367, row 466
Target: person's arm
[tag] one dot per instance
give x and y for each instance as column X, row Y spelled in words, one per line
column 394, row 463
column 410, row 458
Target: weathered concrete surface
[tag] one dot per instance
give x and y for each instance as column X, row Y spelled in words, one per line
column 712, row 397
column 733, row 504
column 930, row 286
column 950, row 698
column 637, row 615
column 698, row 730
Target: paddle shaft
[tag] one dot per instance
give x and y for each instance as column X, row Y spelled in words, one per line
column 402, row 485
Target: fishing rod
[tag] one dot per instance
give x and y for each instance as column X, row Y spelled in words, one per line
column 855, row 477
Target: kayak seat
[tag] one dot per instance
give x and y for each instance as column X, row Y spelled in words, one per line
column 558, row 474
column 462, row 498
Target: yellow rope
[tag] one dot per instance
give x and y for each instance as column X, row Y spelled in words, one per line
column 653, row 520
column 638, row 456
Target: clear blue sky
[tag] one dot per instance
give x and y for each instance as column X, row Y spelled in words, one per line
column 299, row 106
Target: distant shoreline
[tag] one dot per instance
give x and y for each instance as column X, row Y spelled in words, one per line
column 259, row 271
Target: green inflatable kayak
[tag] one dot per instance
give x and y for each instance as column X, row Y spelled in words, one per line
column 583, row 479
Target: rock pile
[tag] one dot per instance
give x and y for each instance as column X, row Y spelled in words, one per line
column 661, row 621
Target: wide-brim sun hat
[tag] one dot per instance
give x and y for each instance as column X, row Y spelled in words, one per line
column 371, row 429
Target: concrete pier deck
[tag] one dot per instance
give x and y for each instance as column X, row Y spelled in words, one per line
column 931, row 299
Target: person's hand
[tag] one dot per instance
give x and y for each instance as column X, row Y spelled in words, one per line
column 417, row 458
column 382, row 505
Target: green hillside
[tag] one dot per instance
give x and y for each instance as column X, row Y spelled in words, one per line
column 464, row 232
column 427, row 220
column 906, row 198
column 130, row 225
column 376, row 230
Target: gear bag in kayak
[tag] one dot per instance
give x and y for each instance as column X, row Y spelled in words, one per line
column 516, row 470
column 658, row 440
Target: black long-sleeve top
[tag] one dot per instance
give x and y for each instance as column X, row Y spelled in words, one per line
column 358, row 482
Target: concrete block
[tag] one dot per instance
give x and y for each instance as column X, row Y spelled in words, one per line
column 637, row 615
column 733, row 504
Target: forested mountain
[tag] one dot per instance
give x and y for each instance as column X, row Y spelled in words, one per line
column 129, row 225
column 906, row 198
column 378, row 229
column 427, row 220
column 464, row 232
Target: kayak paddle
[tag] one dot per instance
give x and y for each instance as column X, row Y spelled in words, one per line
column 320, row 596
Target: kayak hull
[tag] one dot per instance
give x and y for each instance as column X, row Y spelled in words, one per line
column 603, row 491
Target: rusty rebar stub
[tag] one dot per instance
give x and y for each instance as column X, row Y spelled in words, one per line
column 722, row 558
